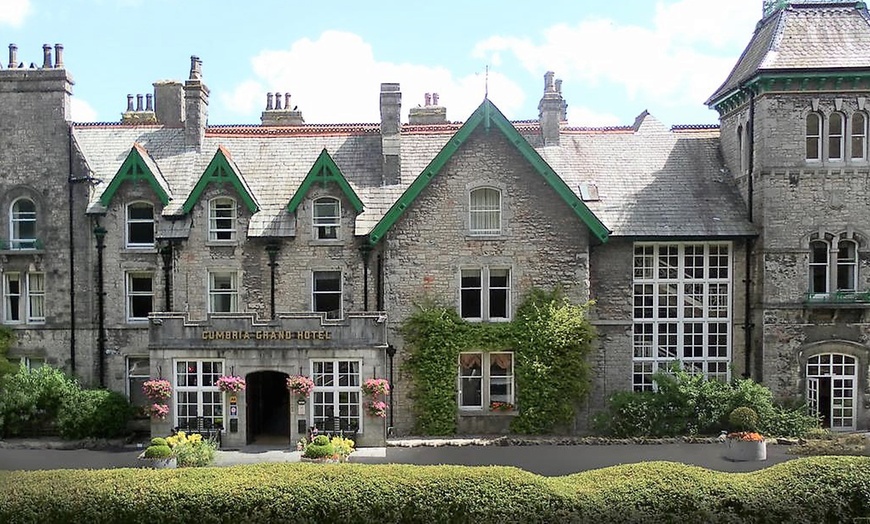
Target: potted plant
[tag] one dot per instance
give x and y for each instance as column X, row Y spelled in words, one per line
column 376, row 408
column 158, row 455
column 157, row 389
column 746, row 443
column 230, row 383
column 319, row 450
column 300, row 385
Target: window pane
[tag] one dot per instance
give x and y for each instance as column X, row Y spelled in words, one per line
column 485, row 211
column 499, row 293
column 814, row 136
column 859, row 136
column 327, row 293
column 327, row 218
column 471, row 299
column 835, row 136
column 222, row 218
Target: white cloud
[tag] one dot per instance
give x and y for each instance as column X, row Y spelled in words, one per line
column 589, row 117
column 337, row 78
column 681, row 58
column 81, row 111
column 13, row 12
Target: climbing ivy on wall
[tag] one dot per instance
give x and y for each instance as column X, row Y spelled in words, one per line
column 550, row 338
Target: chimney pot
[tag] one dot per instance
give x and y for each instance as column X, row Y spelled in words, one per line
column 195, row 68
column 46, row 56
column 268, row 101
column 434, row 99
column 129, row 102
column 58, row 55
column 548, row 82
column 139, row 102
column 13, row 56
column 277, row 100
column 559, row 85
column 427, row 99
column 149, row 102
column 287, row 101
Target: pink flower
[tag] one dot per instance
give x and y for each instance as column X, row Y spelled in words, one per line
column 230, row 383
column 157, row 389
column 374, row 387
column 376, row 408
column 300, row 385
column 158, row 410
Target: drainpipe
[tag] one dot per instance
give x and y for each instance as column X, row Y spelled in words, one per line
column 166, row 253
column 365, row 250
column 380, row 285
column 391, row 352
column 747, row 307
column 272, row 250
column 72, row 259
column 100, row 233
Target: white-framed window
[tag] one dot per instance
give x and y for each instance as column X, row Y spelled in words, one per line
column 196, row 392
column 326, row 293
column 327, row 218
column 858, row 139
column 485, row 293
column 836, row 136
column 221, row 219
column 814, row 137
column 485, row 378
column 138, row 372
column 336, row 394
column 484, row 211
column 31, row 363
column 22, row 224
column 23, row 298
column 833, row 264
column 682, row 310
column 140, row 225
column 140, row 295
column 223, row 292
column 35, row 298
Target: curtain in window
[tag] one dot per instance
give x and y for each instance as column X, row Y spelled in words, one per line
column 485, row 211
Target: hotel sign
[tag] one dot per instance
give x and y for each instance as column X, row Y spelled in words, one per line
column 267, row 334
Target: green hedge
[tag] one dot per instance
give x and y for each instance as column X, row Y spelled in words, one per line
column 816, row 489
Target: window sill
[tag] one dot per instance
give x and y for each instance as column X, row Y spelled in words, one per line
column 332, row 242
column 493, row 236
column 486, row 320
column 222, row 243
column 147, row 250
column 486, row 413
column 7, row 252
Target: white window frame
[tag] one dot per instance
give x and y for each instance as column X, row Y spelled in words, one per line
column 336, row 392
column 215, row 292
column 13, row 300
column 836, row 136
column 222, row 219
column 815, row 138
column 196, row 393
column 315, row 293
column 35, row 298
column 682, row 309
column 858, row 136
column 486, row 291
column 482, row 213
column 17, row 218
column 840, row 371
column 136, row 222
column 31, row 363
column 134, row 294
column 833, row 264
column 484, row 380
column 326, row 226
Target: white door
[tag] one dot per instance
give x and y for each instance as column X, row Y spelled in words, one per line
column 831, row 380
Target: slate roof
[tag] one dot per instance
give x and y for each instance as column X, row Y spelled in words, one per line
column 817, row 36
column 652, row 182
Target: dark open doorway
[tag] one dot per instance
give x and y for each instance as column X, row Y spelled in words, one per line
column 268, row 409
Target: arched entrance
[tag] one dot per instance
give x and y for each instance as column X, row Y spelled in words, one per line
column 831, row 389
column 268, row 409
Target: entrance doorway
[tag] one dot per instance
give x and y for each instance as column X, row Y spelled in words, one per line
column 268, row 408
column 831, row 381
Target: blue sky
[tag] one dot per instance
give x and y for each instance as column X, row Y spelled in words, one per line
column 616, row 59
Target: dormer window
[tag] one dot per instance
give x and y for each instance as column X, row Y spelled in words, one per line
column 222, row 219
column 836, row 134
column 22, row 224
column 327, row 218
column 140, row 225
column 814, row 137
column 484, row 212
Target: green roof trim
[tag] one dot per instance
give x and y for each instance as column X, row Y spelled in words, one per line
column 220, row 171
column 490, row 116
column 325, row 170
column 134, row 169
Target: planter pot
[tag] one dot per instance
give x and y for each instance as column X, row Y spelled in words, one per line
column 746, row 450
column 156, row 463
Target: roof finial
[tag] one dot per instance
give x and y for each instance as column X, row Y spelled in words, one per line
column 486, row 84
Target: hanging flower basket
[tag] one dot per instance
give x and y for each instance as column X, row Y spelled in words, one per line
column 376, row 408
column 157, row 389
column 375, row 387
column 300, row 385
column 230, row 383
column 158, row 411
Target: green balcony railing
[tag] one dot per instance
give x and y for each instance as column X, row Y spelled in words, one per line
column 7, row 244
column 838, row 298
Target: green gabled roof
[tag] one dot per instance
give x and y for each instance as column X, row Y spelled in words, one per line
column 488, row 115
column 135, row 168
column 324, row 170
column 221, row 170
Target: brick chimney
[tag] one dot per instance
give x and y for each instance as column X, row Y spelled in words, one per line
column 391, row 107
column 552, row 110
column 429, row 113
column 195, row 106
column 45, row 90
column 275, row 116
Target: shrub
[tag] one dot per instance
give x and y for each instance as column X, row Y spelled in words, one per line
column 817, row 489
column 159, row 441
column 744, row 419
column 192, row 451
column 321, row 440
column 93, row 413
column 157, row 452
column 31, row 399
column 320, row 447
column 343, row 447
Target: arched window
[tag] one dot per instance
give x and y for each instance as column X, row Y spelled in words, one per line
column 833, row 265
column 814, row 136
column 836, row 134
column 140, row 225
column 847, row 265
column 327, row 218
column 819, row 259
column 485, row 211
column 859, row 136
column 22, row 224
column 222, row 219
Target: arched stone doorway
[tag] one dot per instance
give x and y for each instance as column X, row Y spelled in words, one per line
column 832, row 389
column 268, row 408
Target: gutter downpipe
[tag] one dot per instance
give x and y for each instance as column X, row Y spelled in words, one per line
column 272, row 250
column 748, row 325
column 365, row 250
column 100, row 233
column 166, row 253
column 72, row 257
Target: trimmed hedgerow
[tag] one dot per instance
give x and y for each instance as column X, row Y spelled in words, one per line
column 817, row 489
